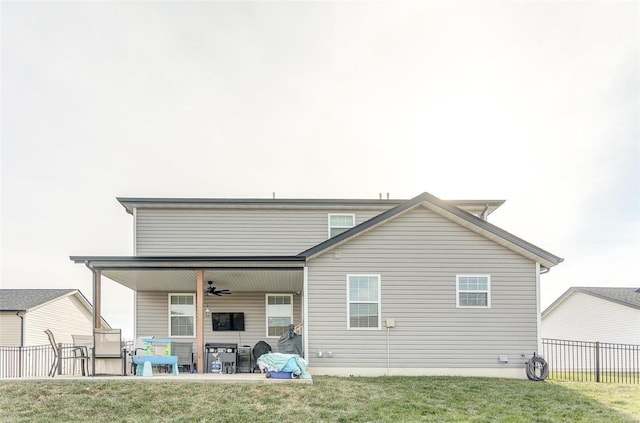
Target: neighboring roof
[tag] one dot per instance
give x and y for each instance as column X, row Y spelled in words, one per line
column 26, row 299
column 451, row 211
column 477, row 207
column 629, row 297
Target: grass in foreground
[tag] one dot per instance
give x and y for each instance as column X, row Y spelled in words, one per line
column 331, row 399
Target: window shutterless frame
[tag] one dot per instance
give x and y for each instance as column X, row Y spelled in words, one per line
column 278, row 311
column 473, row 291
column 340, row 222
column 182, row 315
column 365, row 298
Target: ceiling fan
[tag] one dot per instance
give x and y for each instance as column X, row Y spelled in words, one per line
column 213, row 291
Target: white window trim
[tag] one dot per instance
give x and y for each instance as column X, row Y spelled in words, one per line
column 488, row 291
column 266, row 311
column 379, row 302
column 195, row 320
column 329, row 227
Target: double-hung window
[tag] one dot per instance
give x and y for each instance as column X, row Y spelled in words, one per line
column 473, row 291
column 339, row 223
column 279, row 314
column 182, row 315
column 363, row 301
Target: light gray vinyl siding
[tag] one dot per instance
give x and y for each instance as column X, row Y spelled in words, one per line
column 418, row 256
column 65, row 316
column 10, row 328
column 153, row 317
column 229, row 232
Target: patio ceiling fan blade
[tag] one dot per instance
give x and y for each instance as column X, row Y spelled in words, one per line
column 213, row 291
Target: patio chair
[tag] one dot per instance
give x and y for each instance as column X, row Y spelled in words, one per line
column 78, row 352
column 259, row 349
column 86, row 344
column 107, row 344
column 139, row 347
column 184, row 351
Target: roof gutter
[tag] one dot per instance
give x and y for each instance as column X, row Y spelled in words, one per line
column 21, row 314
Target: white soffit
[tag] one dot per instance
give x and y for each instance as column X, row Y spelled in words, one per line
column 238, row 280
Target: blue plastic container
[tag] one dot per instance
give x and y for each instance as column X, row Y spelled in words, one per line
column 281, row 375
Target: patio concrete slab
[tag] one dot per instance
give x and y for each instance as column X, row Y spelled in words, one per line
column 167, row 377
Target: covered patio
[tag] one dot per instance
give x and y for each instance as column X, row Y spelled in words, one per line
column 258, row 274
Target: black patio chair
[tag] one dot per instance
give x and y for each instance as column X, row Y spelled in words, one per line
column 184, row 351
column 259, row 349
column 78, row 352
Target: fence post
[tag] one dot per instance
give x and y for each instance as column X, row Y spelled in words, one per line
column 59, row 362
column 597, row 361
column 20, row 361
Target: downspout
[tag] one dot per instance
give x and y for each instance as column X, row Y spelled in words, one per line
column 305, row 311
column 135, row 230
column 538, row 315
column 20, row 314
column 483, row 215
column 135, row 253
column 388, row 352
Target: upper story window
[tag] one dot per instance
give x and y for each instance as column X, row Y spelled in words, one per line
column 473, row 291
column 279, row 314
column 338, row 223
column 182, row 315
column 363, row 301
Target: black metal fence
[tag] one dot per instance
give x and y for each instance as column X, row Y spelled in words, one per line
column 35, row 361
column 592, row 361
column 568, row 360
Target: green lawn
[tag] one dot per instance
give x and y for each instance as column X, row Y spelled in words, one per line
column 329, row 399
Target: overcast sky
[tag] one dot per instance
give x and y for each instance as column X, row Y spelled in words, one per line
column 536, row 103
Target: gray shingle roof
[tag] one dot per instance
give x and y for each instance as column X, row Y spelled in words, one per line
column 25, row 299
column 625, row 296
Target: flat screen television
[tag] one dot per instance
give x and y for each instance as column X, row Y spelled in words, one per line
column 227, row 321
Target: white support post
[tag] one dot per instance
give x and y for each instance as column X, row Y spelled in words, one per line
column 200, row 320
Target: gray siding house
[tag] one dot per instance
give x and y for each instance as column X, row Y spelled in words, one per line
column 404, row 287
